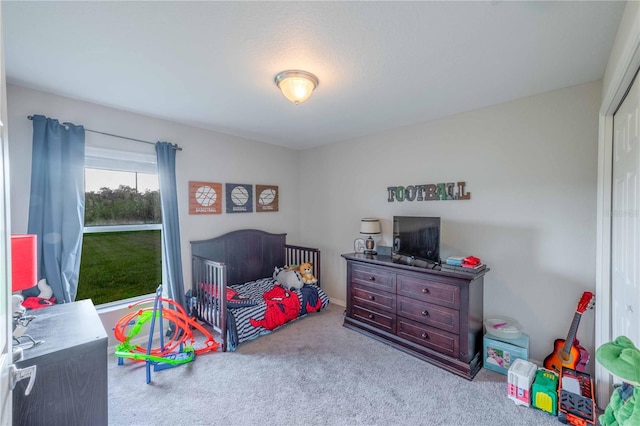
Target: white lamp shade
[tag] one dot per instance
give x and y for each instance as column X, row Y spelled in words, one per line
column 370, row 226
column 296, row 86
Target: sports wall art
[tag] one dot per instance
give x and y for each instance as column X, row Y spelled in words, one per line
column 428, row 192
column 239, row 198
column 205, row 197
column 266, row 198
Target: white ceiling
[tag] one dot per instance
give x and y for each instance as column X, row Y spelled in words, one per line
column 381, row 65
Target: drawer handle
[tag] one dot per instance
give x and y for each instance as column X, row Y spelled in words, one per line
column 371, row 316
column 372, row 298
column 425, row 313
column 425, row 336
column 372, row 278
column 425, row 290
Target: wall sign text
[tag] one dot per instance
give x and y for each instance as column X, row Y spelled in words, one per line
column 428, row 192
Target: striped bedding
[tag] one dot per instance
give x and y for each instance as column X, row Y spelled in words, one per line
column 244, row 330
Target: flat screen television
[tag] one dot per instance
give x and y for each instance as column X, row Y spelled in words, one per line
column 417, row 237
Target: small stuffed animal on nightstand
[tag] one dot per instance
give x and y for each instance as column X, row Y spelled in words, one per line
column 622, row 359
column 307, row 276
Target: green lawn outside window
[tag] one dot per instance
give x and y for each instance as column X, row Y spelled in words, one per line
column 119, row 265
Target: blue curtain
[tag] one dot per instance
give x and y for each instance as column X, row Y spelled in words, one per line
column 172, row 260
column 56, row 205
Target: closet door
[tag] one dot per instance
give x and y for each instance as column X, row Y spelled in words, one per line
column 625, row 222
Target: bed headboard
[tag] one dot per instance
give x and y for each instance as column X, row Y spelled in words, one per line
column 249, row 254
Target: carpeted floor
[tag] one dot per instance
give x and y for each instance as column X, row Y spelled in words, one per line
column 312, row 372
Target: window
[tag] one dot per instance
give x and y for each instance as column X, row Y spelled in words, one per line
column 122, row 244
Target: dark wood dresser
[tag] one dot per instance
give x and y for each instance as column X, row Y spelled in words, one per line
column 71, row 376
column 431, row 314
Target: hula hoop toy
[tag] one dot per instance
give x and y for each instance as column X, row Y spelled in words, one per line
column 178, row 350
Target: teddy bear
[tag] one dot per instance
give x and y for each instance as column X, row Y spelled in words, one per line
column 622, row 359
column 288, row 278
column 307, row 276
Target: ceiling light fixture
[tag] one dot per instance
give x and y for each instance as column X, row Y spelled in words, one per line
column 296, row 85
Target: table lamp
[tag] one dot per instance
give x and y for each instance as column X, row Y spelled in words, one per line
column 24, row 275
column 24, row 266
column 370, row 226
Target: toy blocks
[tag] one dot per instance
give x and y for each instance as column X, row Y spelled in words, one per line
column 519, row 380
column 576, row 398
column 544, row 392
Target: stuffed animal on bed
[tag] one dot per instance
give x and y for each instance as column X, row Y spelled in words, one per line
column 305, row 271
column 288, row 278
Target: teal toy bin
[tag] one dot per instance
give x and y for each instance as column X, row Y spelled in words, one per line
column 498, row 353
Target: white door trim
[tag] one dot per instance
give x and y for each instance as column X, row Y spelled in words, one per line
column 622, row 76
column 6, row 325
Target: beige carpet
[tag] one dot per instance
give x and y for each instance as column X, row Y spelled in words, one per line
column 312, row 372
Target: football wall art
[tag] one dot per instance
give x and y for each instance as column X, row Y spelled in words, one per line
column 266, row 198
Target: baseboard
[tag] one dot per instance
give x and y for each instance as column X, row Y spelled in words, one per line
column 341, row 303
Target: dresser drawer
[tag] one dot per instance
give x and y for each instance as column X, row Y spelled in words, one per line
column 376, row 299
column 373, row 277
column 446, row 319
column 429, row 291
column 383, row 320
column 430, row 337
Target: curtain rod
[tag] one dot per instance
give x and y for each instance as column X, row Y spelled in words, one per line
column 175, row 146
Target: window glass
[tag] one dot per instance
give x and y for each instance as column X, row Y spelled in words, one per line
column 122, row 243
column 114, row 197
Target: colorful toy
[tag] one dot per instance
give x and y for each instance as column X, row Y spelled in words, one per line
column 576, row 404
column 622, row 359
column 519, row 380
column 307, row 276
column 165, row 356
column 544, row 392
column 569, row 353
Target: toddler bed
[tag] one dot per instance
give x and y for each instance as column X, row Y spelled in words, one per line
column 233, row 289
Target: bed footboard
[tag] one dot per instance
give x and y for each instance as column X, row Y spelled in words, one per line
column 295, row 255
column 209, row 279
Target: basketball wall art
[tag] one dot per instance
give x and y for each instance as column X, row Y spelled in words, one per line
column 205, row 197
column 266, row 198
column 239, row 198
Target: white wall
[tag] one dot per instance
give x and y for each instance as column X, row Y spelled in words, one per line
column 206, row 156
column 530, row 166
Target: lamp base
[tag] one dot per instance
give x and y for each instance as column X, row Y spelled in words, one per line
column 369, row 246
column 20, row 324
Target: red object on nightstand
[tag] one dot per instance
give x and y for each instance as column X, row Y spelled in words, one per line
column 24, row 265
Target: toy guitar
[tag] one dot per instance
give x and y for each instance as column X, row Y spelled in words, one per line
column 569, row 353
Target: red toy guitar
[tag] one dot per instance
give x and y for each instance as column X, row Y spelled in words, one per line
column 569, row 353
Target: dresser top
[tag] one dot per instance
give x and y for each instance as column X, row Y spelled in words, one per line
column 415, row 265
column 63, row 326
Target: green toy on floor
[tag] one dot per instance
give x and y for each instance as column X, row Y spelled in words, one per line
column 622, row 359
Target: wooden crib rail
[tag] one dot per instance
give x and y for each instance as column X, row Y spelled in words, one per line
column 213, row 276
column 295, row 255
